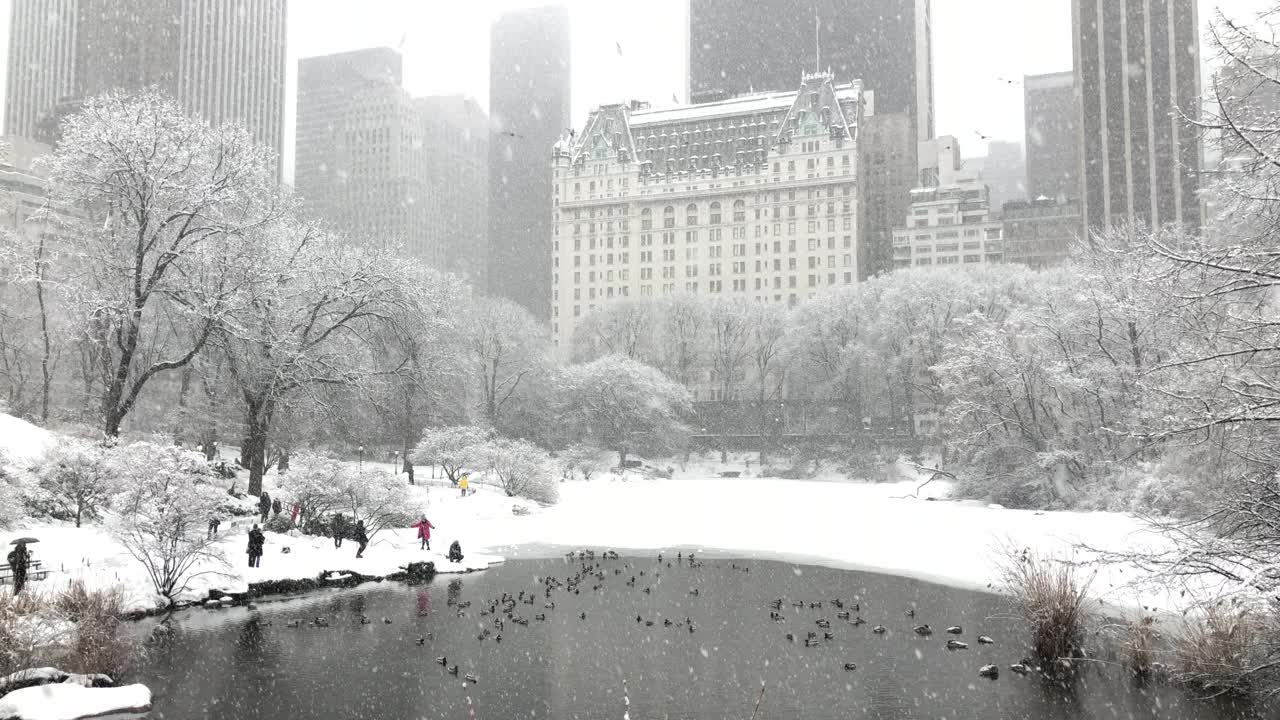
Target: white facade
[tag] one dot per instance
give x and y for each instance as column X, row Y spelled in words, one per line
column 752, row 198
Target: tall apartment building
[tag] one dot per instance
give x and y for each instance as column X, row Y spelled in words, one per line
column 1052, row 136
column 1137, row 66
column 389, row 167
column 887, row 173
column 764, row 45
column 528, row 109
column 223, row 62
column 753, row 198
column 949, row 221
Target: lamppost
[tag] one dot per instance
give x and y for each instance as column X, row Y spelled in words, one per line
column 361, row 451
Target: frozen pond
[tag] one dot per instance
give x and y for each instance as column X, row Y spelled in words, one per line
column 241, row 664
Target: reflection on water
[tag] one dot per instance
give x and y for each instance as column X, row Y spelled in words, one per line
column 376, row 658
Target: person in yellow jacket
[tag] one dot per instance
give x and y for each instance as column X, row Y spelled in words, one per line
column 464, row 483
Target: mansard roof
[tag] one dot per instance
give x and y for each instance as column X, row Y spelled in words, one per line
column 735, row 132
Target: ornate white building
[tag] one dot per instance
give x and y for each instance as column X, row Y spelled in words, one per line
column 755, row 198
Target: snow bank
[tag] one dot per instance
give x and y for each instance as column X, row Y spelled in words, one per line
column 71, row 702
column 21, row 440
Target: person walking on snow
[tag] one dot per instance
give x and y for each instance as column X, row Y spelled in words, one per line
column 264, row 505
column 256, row 541
column 339, row 529
column 361, row 537
column 276, row 507
column 424, row 532
column 464, row 483
column 19, row 558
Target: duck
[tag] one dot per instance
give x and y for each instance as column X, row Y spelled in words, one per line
column 775, row 616
column 694, row 592
column 648, row 591
column 648, row 623
column 957, row 645
column 386, row 621
column 815, row 606
column 923, row 630
column 639, row 619
column 828, row 636
column 776, row 604
column 690, row 628
column 582, row 615
column 294, row 623
column 990, row 672
column 471, row 678
column 364, row 620
column 442, row 661
column 667, row 622
column 540, row 616
column 848, row 667
column 857, row 607
column 453, row 670
column 550, row 606
column 791, row 638
column 1020, row 668
column 955, row 630
column 843, row 615
column 984, row 640
column 838, row 603
column 823, row 623
column 858, row 621
column 879, row 630
column 422, row 640
column 910, row 613
column 811, row 642
column 320, row 622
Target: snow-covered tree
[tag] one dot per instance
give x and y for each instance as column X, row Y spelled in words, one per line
column 623, row 327
column 615, row 401
column 521, row 469
column 163, row 514
column 768, row 326
column 680, row 340
column 14, row 489
column 505, row 345
column 158, row 206
column 75, row 479
column 307, row 301
column 453, row 448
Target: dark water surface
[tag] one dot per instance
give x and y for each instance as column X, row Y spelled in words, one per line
column 242, row 664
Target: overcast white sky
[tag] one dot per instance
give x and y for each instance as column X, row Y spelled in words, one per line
column 977, row 46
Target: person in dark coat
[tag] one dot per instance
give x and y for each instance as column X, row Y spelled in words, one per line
column 361, row 537
column 338, row 528
column 19, row 558
column 276, row 507
column 455, row 552
column 264, row 505
column 256, row 541
column 213, row 527
column 408, row 468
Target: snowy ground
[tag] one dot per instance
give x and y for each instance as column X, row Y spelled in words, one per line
column 825, row 521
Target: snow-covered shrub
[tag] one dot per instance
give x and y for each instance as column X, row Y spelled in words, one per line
column 14, row 491
column 452, row 448
column 99, row 645
column 378, row 498
column 30, row 631
column 278, row 523
column 314, row 483
column 74, row 480
column 1052, row 597
column 521, row 469
column 163, row 511
column 1227, row 650
column 581, row 460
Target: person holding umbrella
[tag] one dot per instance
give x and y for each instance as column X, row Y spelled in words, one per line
column 19, row 558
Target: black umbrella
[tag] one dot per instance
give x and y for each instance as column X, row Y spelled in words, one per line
column 27, row 541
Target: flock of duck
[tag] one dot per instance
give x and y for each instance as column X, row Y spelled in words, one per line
column 590, row 573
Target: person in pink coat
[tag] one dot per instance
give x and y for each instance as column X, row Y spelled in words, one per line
column 424, row 532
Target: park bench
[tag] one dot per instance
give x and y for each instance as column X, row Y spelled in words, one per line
column 35, row 571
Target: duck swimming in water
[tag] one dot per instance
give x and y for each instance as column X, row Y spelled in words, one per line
column 923, row 630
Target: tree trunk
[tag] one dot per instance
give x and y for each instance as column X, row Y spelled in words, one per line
column 622, row 457
column 45, row 373
column 253, row 451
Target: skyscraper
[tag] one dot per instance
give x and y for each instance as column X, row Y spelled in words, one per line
column 1053, row 136
column 223, row 62
column 529, row 109
column 1137, row 66
column 764, row 45
column 888, row 173
column 389, row 167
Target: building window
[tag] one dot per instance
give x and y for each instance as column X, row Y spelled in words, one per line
column 646, row 219
column 691, row 215
column 668, row 217
column 715, row 213
column 739, row 211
